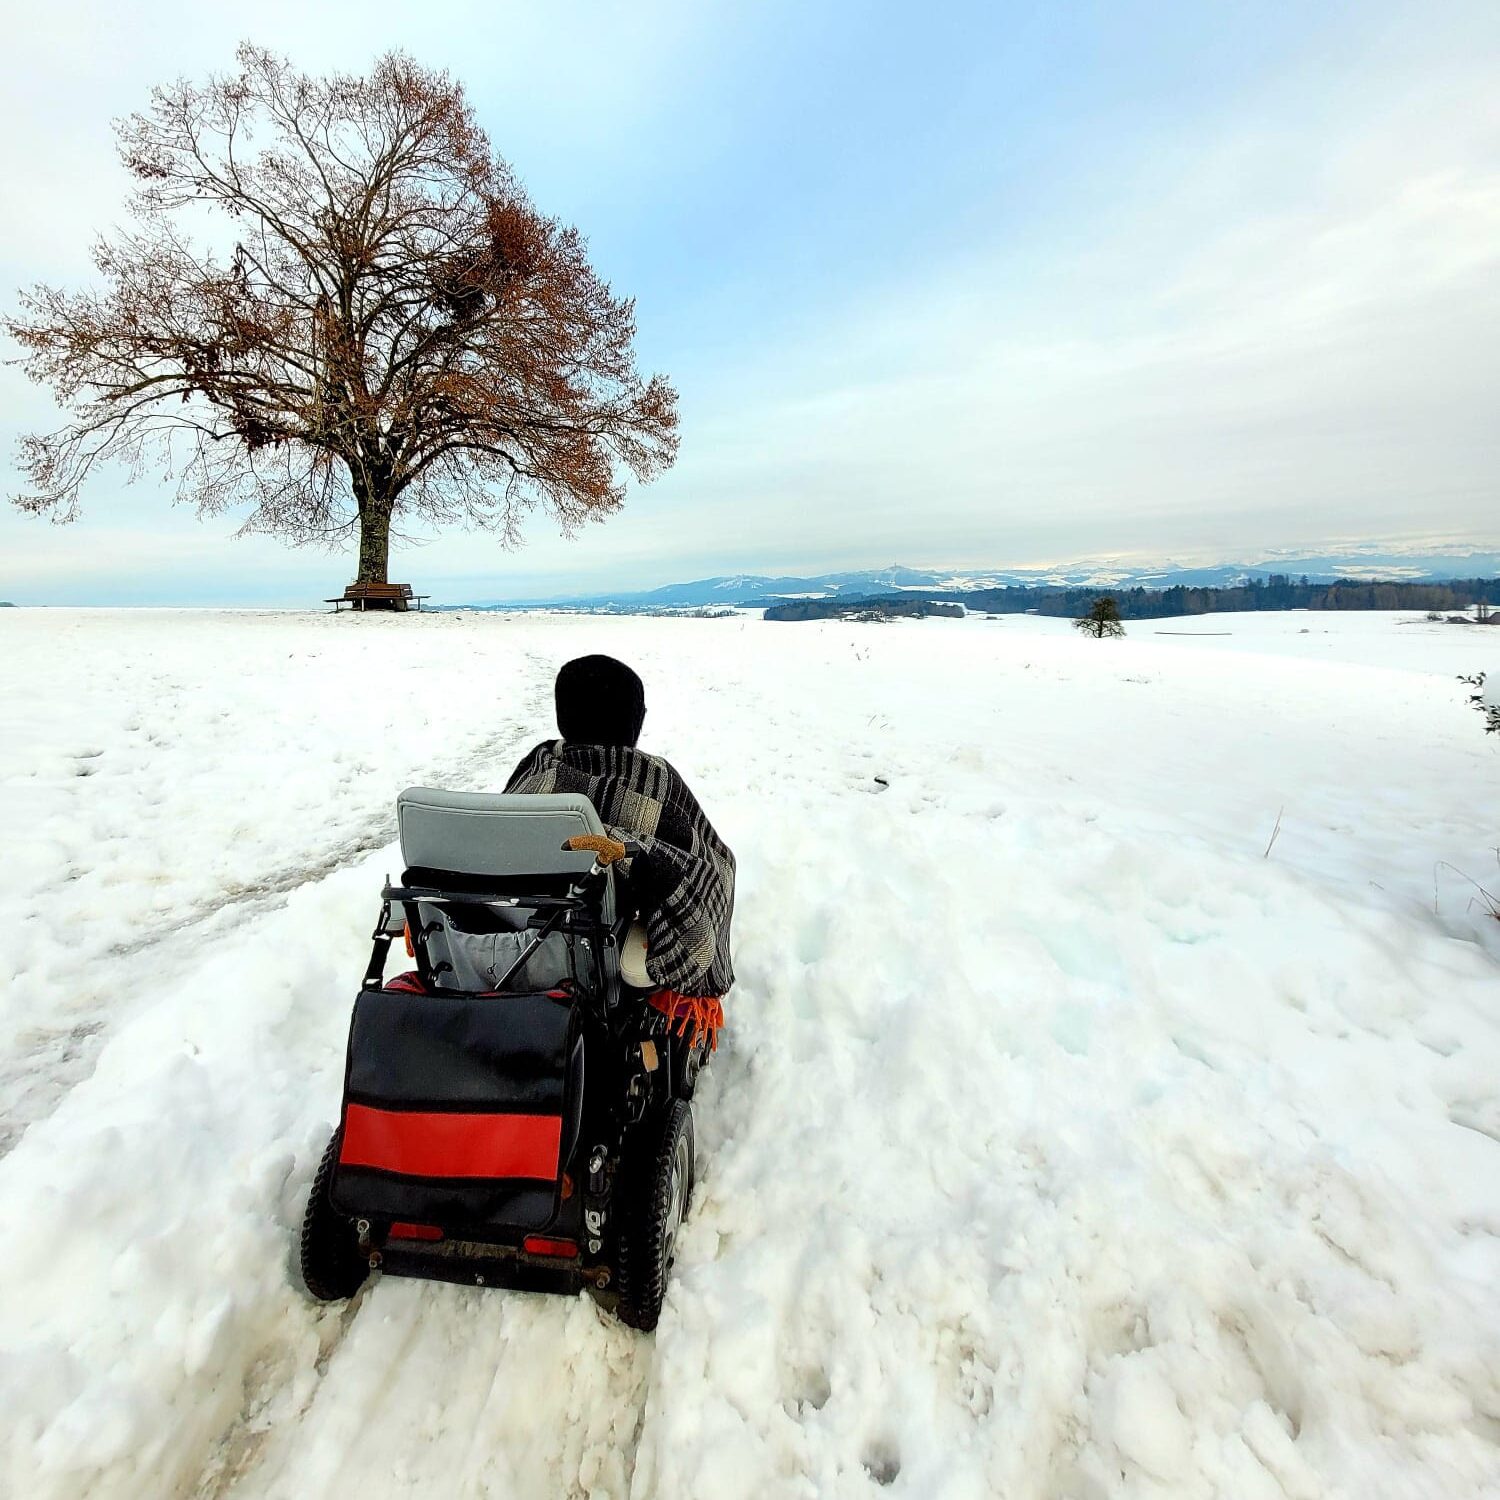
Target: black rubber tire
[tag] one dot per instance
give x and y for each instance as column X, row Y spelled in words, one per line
column 333, row 1268
column 656, row 1188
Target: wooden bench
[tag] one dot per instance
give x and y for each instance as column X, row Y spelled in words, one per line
column 363, row 596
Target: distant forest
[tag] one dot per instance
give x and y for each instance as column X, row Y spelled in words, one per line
column 1276, row 591
column 885, row 607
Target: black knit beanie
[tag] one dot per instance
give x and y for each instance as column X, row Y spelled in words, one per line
column 600, row 701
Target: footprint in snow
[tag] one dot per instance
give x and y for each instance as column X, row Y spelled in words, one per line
column 882, row 1463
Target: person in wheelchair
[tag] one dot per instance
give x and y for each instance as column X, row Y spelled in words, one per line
column 517, row 1110
column 678, row 873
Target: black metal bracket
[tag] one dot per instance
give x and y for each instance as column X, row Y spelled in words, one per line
column 375, row 969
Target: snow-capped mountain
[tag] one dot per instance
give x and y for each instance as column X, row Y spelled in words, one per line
column 754, row 588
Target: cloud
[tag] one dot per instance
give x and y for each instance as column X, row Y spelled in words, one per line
column 1282, row 337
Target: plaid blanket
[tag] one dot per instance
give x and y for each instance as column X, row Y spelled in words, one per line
column 684, row 881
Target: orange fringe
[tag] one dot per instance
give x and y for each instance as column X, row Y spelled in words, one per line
column 705, row 1013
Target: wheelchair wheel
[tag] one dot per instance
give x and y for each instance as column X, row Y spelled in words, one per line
column 332, row 1266
column 687, row 1063
column 658, row 1184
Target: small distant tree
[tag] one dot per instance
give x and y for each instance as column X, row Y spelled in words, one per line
column 338, row 307
column 1102, row 619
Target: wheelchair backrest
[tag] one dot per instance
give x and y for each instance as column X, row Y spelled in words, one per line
column 508, row 838
column 504, row 834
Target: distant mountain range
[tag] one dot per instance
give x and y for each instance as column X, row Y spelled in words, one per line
column 750, row 589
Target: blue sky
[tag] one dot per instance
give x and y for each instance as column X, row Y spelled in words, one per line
column 964, row 284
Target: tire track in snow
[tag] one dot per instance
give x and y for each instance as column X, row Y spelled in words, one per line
column 242, row 1444
column 269, row 1362
column 500, row 1430
column 45, row 1063
column 454, row 1401
column 439, row 1389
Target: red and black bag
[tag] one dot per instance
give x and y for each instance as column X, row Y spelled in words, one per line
column 458, row 1111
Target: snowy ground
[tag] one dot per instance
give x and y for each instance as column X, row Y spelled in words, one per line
column 1065, row 1143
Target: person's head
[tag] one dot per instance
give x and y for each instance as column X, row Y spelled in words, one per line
column 600, row 701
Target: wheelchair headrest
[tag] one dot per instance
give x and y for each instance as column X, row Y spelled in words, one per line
column 494, row 833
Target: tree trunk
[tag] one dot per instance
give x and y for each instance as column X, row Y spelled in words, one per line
column 374, row 541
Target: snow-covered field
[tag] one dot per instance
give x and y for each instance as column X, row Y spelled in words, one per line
column 1077, row 1132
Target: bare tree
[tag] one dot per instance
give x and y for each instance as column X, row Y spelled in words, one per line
column 382, row 326
column 1102, row 619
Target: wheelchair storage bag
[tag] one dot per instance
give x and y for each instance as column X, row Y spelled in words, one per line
column 459, row 1111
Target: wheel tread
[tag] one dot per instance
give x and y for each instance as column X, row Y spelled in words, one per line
column 647, row 1192
column 332, row 1267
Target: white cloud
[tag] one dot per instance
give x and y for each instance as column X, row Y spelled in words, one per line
column 1286, row 335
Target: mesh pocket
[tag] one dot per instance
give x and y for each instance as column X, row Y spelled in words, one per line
column 479, row 949
column 480, row 959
